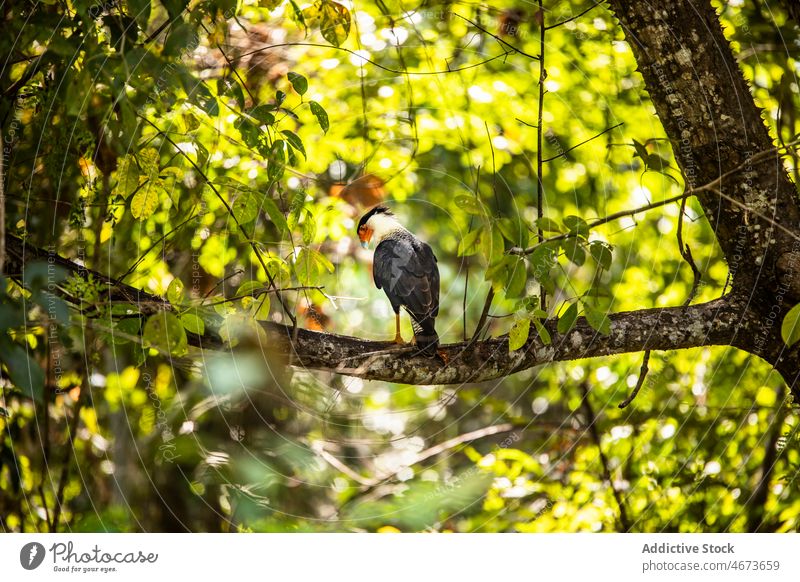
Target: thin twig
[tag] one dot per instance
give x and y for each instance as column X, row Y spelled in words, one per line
column 686, row 253
column 584, row 142
column 539, row 145
column 591, row 422
column 640, row 382
column 498, row 39
column 563, row 22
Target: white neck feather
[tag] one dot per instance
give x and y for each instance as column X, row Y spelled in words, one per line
column 382, row 225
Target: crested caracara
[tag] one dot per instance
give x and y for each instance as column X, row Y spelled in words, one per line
column 405, row 268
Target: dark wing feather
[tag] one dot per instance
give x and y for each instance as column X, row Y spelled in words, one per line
column 405, row 268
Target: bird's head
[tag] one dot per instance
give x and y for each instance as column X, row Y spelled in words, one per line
column 376, row 220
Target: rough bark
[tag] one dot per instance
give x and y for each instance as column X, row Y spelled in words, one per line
column 706, row 108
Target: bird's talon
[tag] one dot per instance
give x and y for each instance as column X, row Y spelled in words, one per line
column 443, row 356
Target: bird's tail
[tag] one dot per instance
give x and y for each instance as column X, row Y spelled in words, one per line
column 426, row 336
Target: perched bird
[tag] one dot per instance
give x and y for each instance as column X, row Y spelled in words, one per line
column 405, row 268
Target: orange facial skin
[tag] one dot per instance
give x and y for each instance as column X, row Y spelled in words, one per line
column 364, row 235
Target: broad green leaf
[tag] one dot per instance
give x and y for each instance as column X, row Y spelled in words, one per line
column 245, row 207
column 548, row 224
column 309, row 228
column 641, row 150
column 23, row 370
column 543, row 259
column 573, row 249
column 181, row 38
column 175, row 291
column 544, row 335
column 467, row 246
column 321, row 115
column 515, row 231
column 492, row 245
column 276, row 159
column 293, row 140
column 790, row 329
column 469, row 204
column 127, row 175
column 334, row 21
column 299, row 82
column 192, row 323
column 275, row 215
column 577, row 225
column 601, row 253
column 145, row 201
column 597, row 319
column 260, row 308
column 165, row 331
column 519, row 333
column 518, row 276
column 568, row 318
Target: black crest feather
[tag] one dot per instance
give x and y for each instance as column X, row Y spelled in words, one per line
column 380, row 209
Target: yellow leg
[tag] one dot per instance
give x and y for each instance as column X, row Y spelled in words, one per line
column 398, row 339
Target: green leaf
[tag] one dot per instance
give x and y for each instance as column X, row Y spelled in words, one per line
column 262, row 113
column 23, row 370
column 574, row 251
column 309, row 228
column 467, row 246
column 601, row 253
column 140, row 10
column 299, row 82
column 192, row 323
column 567, row 320
column 276, row 158
column 543, row 259
column 641, row 150
column 321, row 115
column 544, row 335
column 656, row 163
column 181, row 37
column 334, row 21
column 597, row 319
column 518, row 276
column 469, row 204
column 145, row 201
column 519, row 333
column 245, row 207
column 174, row 7
column 577, row 225
column 275, row 215
column 127, row 175
column 175, row 291
column 310, row 264
column 260, row 308
column 790, row 329
column 548, row 224
column 165, row 331
column 294, row 140
column 492, row 244
column 515, row 231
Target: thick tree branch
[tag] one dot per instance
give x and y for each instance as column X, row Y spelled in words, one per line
column 713, row 323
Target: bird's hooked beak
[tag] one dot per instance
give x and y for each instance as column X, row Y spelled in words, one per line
column 364, row 235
